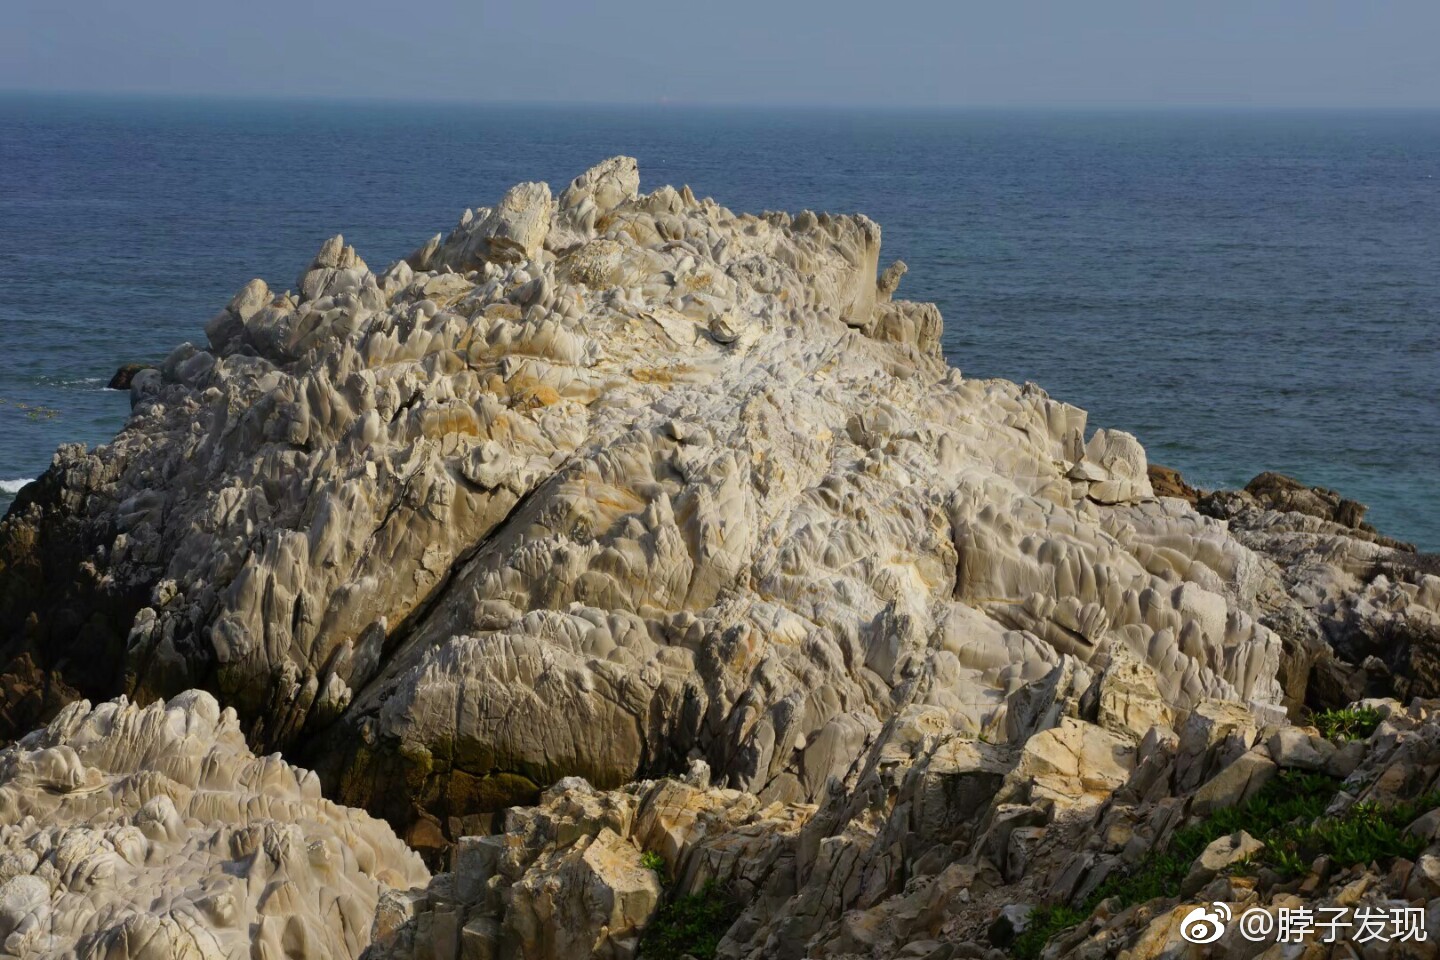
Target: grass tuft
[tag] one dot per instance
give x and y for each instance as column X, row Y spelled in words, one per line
column 1287, row 815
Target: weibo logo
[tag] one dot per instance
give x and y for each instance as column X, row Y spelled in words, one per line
column 1203, row 925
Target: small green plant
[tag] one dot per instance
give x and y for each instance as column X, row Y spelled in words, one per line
column 1287, row 815
column 1287, row 863
column 1289, row 797
column 1349, row 723
column 651, row 860
column 1365, row 833
column 692, row 925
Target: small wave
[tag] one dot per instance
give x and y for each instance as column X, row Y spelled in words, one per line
column 49, row 380
column 12, row 486
column 56, row 381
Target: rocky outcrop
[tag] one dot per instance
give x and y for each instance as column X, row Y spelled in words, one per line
column 568, row 878
column 609, row 488
column 1396, row 771
column 1167, row 482
column 155, row 832
column 125, row 375
column 595, row 486
column 1358, row 612
column 941, row 846
column 1278, row 492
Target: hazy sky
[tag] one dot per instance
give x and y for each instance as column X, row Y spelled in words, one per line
column 904, row 52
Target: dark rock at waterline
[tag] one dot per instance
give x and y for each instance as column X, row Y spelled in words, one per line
column 1381, row 639
column 1167, row 482
column 1267, row 491
column 63, row 624
column 1279, row 492
column 125, row 374
column 1275, row 491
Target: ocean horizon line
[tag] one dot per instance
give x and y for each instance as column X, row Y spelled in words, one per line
column 1150, row 108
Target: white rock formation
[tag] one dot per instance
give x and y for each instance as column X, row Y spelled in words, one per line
column 155, row 833
column 597, row 486
column 619, row 485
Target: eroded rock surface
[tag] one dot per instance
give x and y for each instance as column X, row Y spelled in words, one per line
column 597, row 485
column 941, row 846
column 1357, row 611
column 568, row 878
column 606, row 486
column 155, row 832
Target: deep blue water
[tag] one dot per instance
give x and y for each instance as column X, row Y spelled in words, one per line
column 1244, row 291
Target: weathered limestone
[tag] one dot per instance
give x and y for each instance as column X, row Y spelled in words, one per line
column 129, row 832
column 567, row 878
column 1358, row 613
column 600, row 485
column 617, row 486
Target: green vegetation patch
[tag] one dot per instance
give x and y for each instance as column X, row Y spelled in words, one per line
column 1349, row 723
column 1366, row 833
column 653, row 861
column 691, row 925
column 1287, row 815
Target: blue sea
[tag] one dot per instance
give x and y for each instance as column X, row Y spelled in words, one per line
column 1245, row 291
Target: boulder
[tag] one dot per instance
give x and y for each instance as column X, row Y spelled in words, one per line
column 1300, row 749
column 1117, row 468
column 515, row 230
column 1126, row 699
column 1167, row 482
column 1234, row 784
column 1074, row 764
column 125, row 374
column 1214, row 736
column 1221, row 854
column 589, row 901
